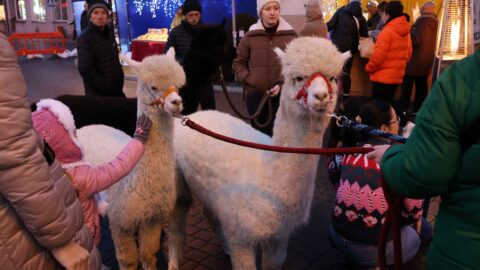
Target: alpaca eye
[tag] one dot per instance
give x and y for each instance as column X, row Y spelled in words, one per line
column 332, row 78
column 153, row 88
column 299, row 79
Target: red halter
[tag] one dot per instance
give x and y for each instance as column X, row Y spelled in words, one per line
column 302, row 93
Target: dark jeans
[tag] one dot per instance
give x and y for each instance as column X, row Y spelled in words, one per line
column 421, row 90
column 384, row 91
column 346, row 79
column 193, row 95
column 252, row 103
column 365, row 255
column 106, row 246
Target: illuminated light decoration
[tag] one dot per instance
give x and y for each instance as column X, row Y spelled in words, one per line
column 416, row 12
column 455, row 36
column 328, row 8
column 169, row 7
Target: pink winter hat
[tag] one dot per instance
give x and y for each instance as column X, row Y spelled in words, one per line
column 54, row 122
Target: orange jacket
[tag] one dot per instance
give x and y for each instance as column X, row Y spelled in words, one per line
column 392, row 52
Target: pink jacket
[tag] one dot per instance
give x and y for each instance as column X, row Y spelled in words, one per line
column 89, row 180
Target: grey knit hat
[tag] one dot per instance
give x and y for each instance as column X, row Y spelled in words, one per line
column 97, row 4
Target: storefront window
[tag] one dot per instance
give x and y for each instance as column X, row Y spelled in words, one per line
column 39, row 10
column 21, row 11
column 60, row 11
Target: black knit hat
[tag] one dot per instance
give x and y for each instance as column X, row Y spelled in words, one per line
column 93, row 4
column 191, row 5
column 394, row 9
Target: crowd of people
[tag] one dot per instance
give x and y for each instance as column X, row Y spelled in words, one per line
column 40, row 151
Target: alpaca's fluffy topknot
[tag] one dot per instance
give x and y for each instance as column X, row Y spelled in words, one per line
column 161, row 71
column 308, row 55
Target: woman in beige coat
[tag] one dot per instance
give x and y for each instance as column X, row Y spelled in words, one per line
column 257, row 65
column 315, row 25
column 40, row 217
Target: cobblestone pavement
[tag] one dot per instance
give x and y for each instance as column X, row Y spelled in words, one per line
column 309, row 246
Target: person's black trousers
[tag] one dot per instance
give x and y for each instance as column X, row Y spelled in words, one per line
column 346, row 79
column 252, row 103
column 193, row 95
column 421, row 91
column 384, row 91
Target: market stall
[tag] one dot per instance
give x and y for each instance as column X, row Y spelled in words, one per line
column 151, row 43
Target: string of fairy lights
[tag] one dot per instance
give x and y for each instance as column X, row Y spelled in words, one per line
column 169, row 7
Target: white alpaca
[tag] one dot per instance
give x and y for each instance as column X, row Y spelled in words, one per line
column 250, row 196
column 143, row 201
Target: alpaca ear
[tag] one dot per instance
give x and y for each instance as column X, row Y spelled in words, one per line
column 171, row 53
column 279, row 53
column 132, row 63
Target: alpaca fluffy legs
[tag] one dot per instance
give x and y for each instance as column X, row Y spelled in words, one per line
column 149, row 243
column 274, row 252
column 243, row 257
column 125, row 248
column 176, row 230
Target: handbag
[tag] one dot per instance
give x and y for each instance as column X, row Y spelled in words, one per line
column 365, row 44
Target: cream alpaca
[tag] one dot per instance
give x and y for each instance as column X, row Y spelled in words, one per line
column 143, row 201
column 254, row 197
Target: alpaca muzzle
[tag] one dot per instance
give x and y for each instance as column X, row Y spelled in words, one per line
column 161, row 101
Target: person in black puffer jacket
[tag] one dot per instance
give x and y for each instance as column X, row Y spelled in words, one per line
column 98, row 61
column 198, row 48
column 345, row 35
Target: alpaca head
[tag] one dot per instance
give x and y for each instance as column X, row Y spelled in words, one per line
column 159, row 77
column 310, row 67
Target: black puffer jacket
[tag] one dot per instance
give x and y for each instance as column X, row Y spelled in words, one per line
column 180, row 39
column 343, row 28
column 98, row 62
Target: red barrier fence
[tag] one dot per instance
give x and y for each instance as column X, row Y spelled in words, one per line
column 37, row 43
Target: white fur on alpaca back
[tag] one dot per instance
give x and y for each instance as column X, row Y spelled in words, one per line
column 102, row 143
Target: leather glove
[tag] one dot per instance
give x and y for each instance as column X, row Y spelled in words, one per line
column 143, row 128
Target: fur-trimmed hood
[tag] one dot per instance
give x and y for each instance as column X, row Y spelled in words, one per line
column 282, row 26
column 54, row 121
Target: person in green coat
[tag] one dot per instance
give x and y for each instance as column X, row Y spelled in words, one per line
column 432, row 163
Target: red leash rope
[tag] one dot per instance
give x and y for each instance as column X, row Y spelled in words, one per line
column 282, row 149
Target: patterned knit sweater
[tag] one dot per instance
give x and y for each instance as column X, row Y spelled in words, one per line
column 360, row 205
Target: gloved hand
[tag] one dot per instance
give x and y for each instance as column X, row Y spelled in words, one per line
column 143, row 128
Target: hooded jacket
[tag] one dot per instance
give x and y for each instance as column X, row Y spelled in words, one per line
column 423, row 34
column 432, row 163
column 391, row 53
column 54, row 121
column 38, row 206
column 257, row 65
column 315, row 25
column 343, row 28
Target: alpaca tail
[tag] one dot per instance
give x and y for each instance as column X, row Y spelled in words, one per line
column 102, row 203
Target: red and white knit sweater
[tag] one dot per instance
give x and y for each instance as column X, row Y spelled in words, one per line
column 360, row 205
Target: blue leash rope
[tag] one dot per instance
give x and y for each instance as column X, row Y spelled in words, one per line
column 343, row 121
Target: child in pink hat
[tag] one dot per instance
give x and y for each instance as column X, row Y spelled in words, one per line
column 54, row 121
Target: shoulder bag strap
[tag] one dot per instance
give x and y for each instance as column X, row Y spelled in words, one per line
column 358, row 25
